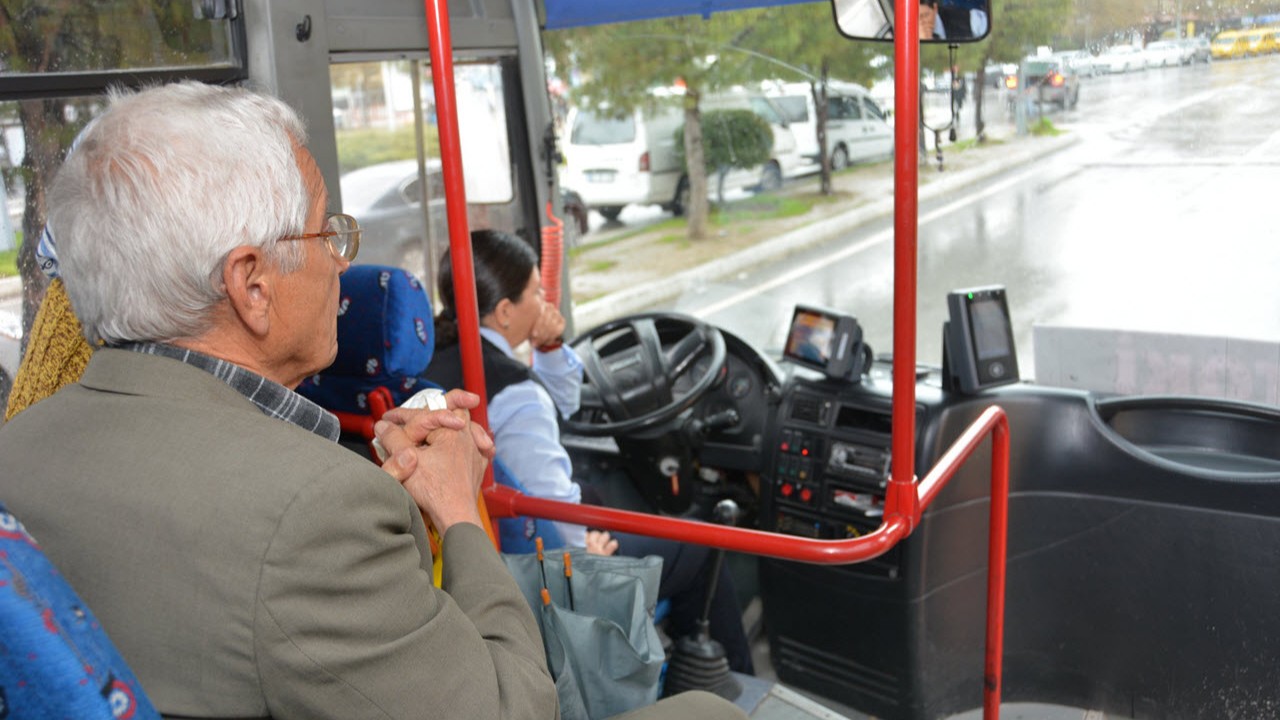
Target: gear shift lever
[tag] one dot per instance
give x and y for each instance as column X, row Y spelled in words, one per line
column 699, row 662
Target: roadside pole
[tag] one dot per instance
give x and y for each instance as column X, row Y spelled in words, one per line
column 1020, row 104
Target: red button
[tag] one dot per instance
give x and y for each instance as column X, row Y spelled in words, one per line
column 806, row 495
column 787, row 489
column 786, row 447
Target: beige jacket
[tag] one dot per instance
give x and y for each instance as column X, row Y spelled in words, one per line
column 248, row 568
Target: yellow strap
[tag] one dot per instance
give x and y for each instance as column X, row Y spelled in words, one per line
column 437, row 569
column 437, row 555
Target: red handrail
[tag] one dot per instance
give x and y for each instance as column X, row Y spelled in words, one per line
column 503, row 501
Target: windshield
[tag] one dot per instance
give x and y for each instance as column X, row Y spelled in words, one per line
column 1124, row 201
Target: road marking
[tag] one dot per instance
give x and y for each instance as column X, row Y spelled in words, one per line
column 1265, row 149
column 876, row 239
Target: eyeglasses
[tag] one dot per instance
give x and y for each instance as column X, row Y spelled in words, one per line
column 342, row 233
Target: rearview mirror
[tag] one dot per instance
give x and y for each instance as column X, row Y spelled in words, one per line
column 941, row 21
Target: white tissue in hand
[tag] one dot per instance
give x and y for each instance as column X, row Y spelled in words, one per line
column 430, row 398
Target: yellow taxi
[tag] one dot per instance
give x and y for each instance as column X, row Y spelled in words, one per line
column 1228, row 44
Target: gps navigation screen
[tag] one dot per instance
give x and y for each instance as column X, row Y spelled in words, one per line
column 810, row 338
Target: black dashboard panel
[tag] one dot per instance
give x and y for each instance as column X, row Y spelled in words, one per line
column 1140, row 581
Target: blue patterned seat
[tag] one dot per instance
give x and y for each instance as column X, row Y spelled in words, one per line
column 385, row 342
column 56, row 661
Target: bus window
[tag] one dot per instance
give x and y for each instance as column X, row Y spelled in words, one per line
column 111, row 38
column 56, row 59
column 377, row 126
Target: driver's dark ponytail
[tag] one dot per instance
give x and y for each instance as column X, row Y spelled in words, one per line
column 503, row 263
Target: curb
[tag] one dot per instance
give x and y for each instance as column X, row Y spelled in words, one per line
column 640, row 297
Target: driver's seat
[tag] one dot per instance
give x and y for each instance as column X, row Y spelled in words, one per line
column 386, row 340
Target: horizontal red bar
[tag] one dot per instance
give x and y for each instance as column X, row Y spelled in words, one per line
column 504, row 502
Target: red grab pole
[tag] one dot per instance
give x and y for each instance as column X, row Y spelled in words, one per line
column 464, row 278
column 900, row 495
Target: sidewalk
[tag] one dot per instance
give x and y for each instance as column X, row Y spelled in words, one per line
column 10, row 287
column 634, row 272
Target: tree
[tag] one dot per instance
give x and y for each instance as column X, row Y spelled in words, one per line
column 622, row 65
column 731, row 139
column 39, row 37
column 800, row 42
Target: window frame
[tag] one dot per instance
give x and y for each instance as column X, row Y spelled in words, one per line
column 37, row 86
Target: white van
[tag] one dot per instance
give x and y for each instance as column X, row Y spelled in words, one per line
column 786, row 159
column 616, row 161
column 857, row 130
column 613, row 161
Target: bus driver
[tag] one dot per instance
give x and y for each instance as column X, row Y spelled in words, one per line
column 245, row 564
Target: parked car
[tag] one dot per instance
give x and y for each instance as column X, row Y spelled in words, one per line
column 387, row 201
column 1163, row 53
column 1121, row 58
column 1229, row 44
column 1196, row 49
column 1261, row 41
column 786, row 160
column 1081, row 61
column 995, row 73
column 617, row 160
column 856, row 127
column 613, row 161
column 1051, row 79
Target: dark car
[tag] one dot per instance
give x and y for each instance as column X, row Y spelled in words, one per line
column 386, row 199
column 1051, row 80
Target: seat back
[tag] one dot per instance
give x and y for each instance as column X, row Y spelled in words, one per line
column 385, row 342
column 56, row 661
column 385, row 339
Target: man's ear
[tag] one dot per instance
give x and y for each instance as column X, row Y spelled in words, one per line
column 248, row 278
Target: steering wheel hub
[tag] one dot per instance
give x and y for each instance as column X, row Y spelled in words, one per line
column 643, row 371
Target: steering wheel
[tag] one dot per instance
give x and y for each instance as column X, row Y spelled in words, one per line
column 644, row 370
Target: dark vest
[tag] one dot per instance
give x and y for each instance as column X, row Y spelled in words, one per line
column 500, row 371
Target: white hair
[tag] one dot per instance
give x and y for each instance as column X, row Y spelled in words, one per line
column 161, row 188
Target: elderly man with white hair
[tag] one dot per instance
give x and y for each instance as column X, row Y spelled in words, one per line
column 245, row 563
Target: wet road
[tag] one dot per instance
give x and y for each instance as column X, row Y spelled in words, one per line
column 1162, row 218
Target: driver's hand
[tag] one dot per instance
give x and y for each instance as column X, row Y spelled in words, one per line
column 548, row 330
column 600, row 543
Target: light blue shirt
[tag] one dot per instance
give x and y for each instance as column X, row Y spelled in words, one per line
column 522, row 418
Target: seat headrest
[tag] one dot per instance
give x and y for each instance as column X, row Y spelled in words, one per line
column 385, row 337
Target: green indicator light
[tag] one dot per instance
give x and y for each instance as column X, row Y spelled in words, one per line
column 970, row 296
